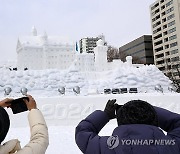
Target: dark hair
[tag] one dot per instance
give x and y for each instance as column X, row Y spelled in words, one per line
column 4, row 123
column 137, row 112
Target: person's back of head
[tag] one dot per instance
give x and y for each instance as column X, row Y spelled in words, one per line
column 4, row 123
column 137, row 112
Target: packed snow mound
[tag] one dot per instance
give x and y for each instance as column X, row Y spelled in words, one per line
column 47, row 82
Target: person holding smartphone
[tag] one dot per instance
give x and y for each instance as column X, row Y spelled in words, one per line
column 39, row 139
column 138, row 130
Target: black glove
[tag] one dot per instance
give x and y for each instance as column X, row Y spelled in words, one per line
column 110, row 108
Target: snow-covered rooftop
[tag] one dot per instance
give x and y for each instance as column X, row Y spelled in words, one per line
column 40, row 40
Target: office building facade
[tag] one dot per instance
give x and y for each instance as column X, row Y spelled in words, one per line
column 165, row 23
column 140, row 49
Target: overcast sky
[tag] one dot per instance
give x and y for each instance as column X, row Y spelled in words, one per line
column 120, row 21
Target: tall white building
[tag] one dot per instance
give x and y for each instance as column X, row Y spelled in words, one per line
column 165, row 22
column 88, row 44
column 44, row 52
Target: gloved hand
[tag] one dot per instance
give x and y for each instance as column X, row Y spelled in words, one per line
column 110, row 108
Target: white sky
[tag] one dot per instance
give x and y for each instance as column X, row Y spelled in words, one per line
column 120, row 21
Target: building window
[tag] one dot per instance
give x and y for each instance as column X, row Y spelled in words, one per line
column 174, row 51
column 173, row 37
column 164, row 26
column 165, row 33
column 157, row 43
column 158, row 36
column 157, row 17
column 157, row 30
column 172, row 30
column 163, row 13
column 175, row 66
column 169, row 3
column 161, row 1
column 171, row 23
column 169, row 10
column 159, row 49
column 162, row 7
column 175, row 59
column 156, row 24
column 167, row 53
column 166, row 46
column 162, row 68
column 164, row 20
column 156, row 5
column 170, row 17
column 160, row 55
column 166, row 39
column 173, row 44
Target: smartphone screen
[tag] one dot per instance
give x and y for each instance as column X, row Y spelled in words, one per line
column 18, row 105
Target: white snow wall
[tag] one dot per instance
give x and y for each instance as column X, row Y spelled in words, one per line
column 46, row 82
column 63, row 111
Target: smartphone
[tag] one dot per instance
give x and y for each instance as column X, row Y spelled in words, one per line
column 18, row 105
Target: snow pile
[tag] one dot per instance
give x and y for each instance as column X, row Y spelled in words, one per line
column 46, row 82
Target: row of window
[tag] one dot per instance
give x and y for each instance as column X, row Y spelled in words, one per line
column 172, row 52
column 171, row 23
column 172, row 30
column 170, row 45
column 172, row 37
column 170, row 17
column 164, row 20
column 174, row 59
column 162, row 7
column 169, row 3
column 162, row 1
column 133, row 46
column 166, row 46
column 166, row 39
column 164, row 26
column 169, row 10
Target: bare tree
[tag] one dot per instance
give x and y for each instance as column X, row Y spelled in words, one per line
column 172, row 71
column 112, row 53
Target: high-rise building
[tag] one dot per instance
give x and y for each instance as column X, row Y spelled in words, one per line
column 165, row 22
column 88, row 44
column 140, row 49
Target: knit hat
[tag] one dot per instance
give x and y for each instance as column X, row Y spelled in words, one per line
column 137, row 112
column 4, row 123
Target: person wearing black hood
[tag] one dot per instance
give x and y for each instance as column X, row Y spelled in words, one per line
column 138, row 130
column 39, row 139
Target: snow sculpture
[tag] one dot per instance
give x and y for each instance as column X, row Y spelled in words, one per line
column 100, row 56
column 129, row 60
column 34, row 31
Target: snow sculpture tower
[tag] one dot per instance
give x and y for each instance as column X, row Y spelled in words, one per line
column 129, row 60
column 100, row 52
column 34, row 31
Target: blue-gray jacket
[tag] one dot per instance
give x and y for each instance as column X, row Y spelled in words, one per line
column 132, row 138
